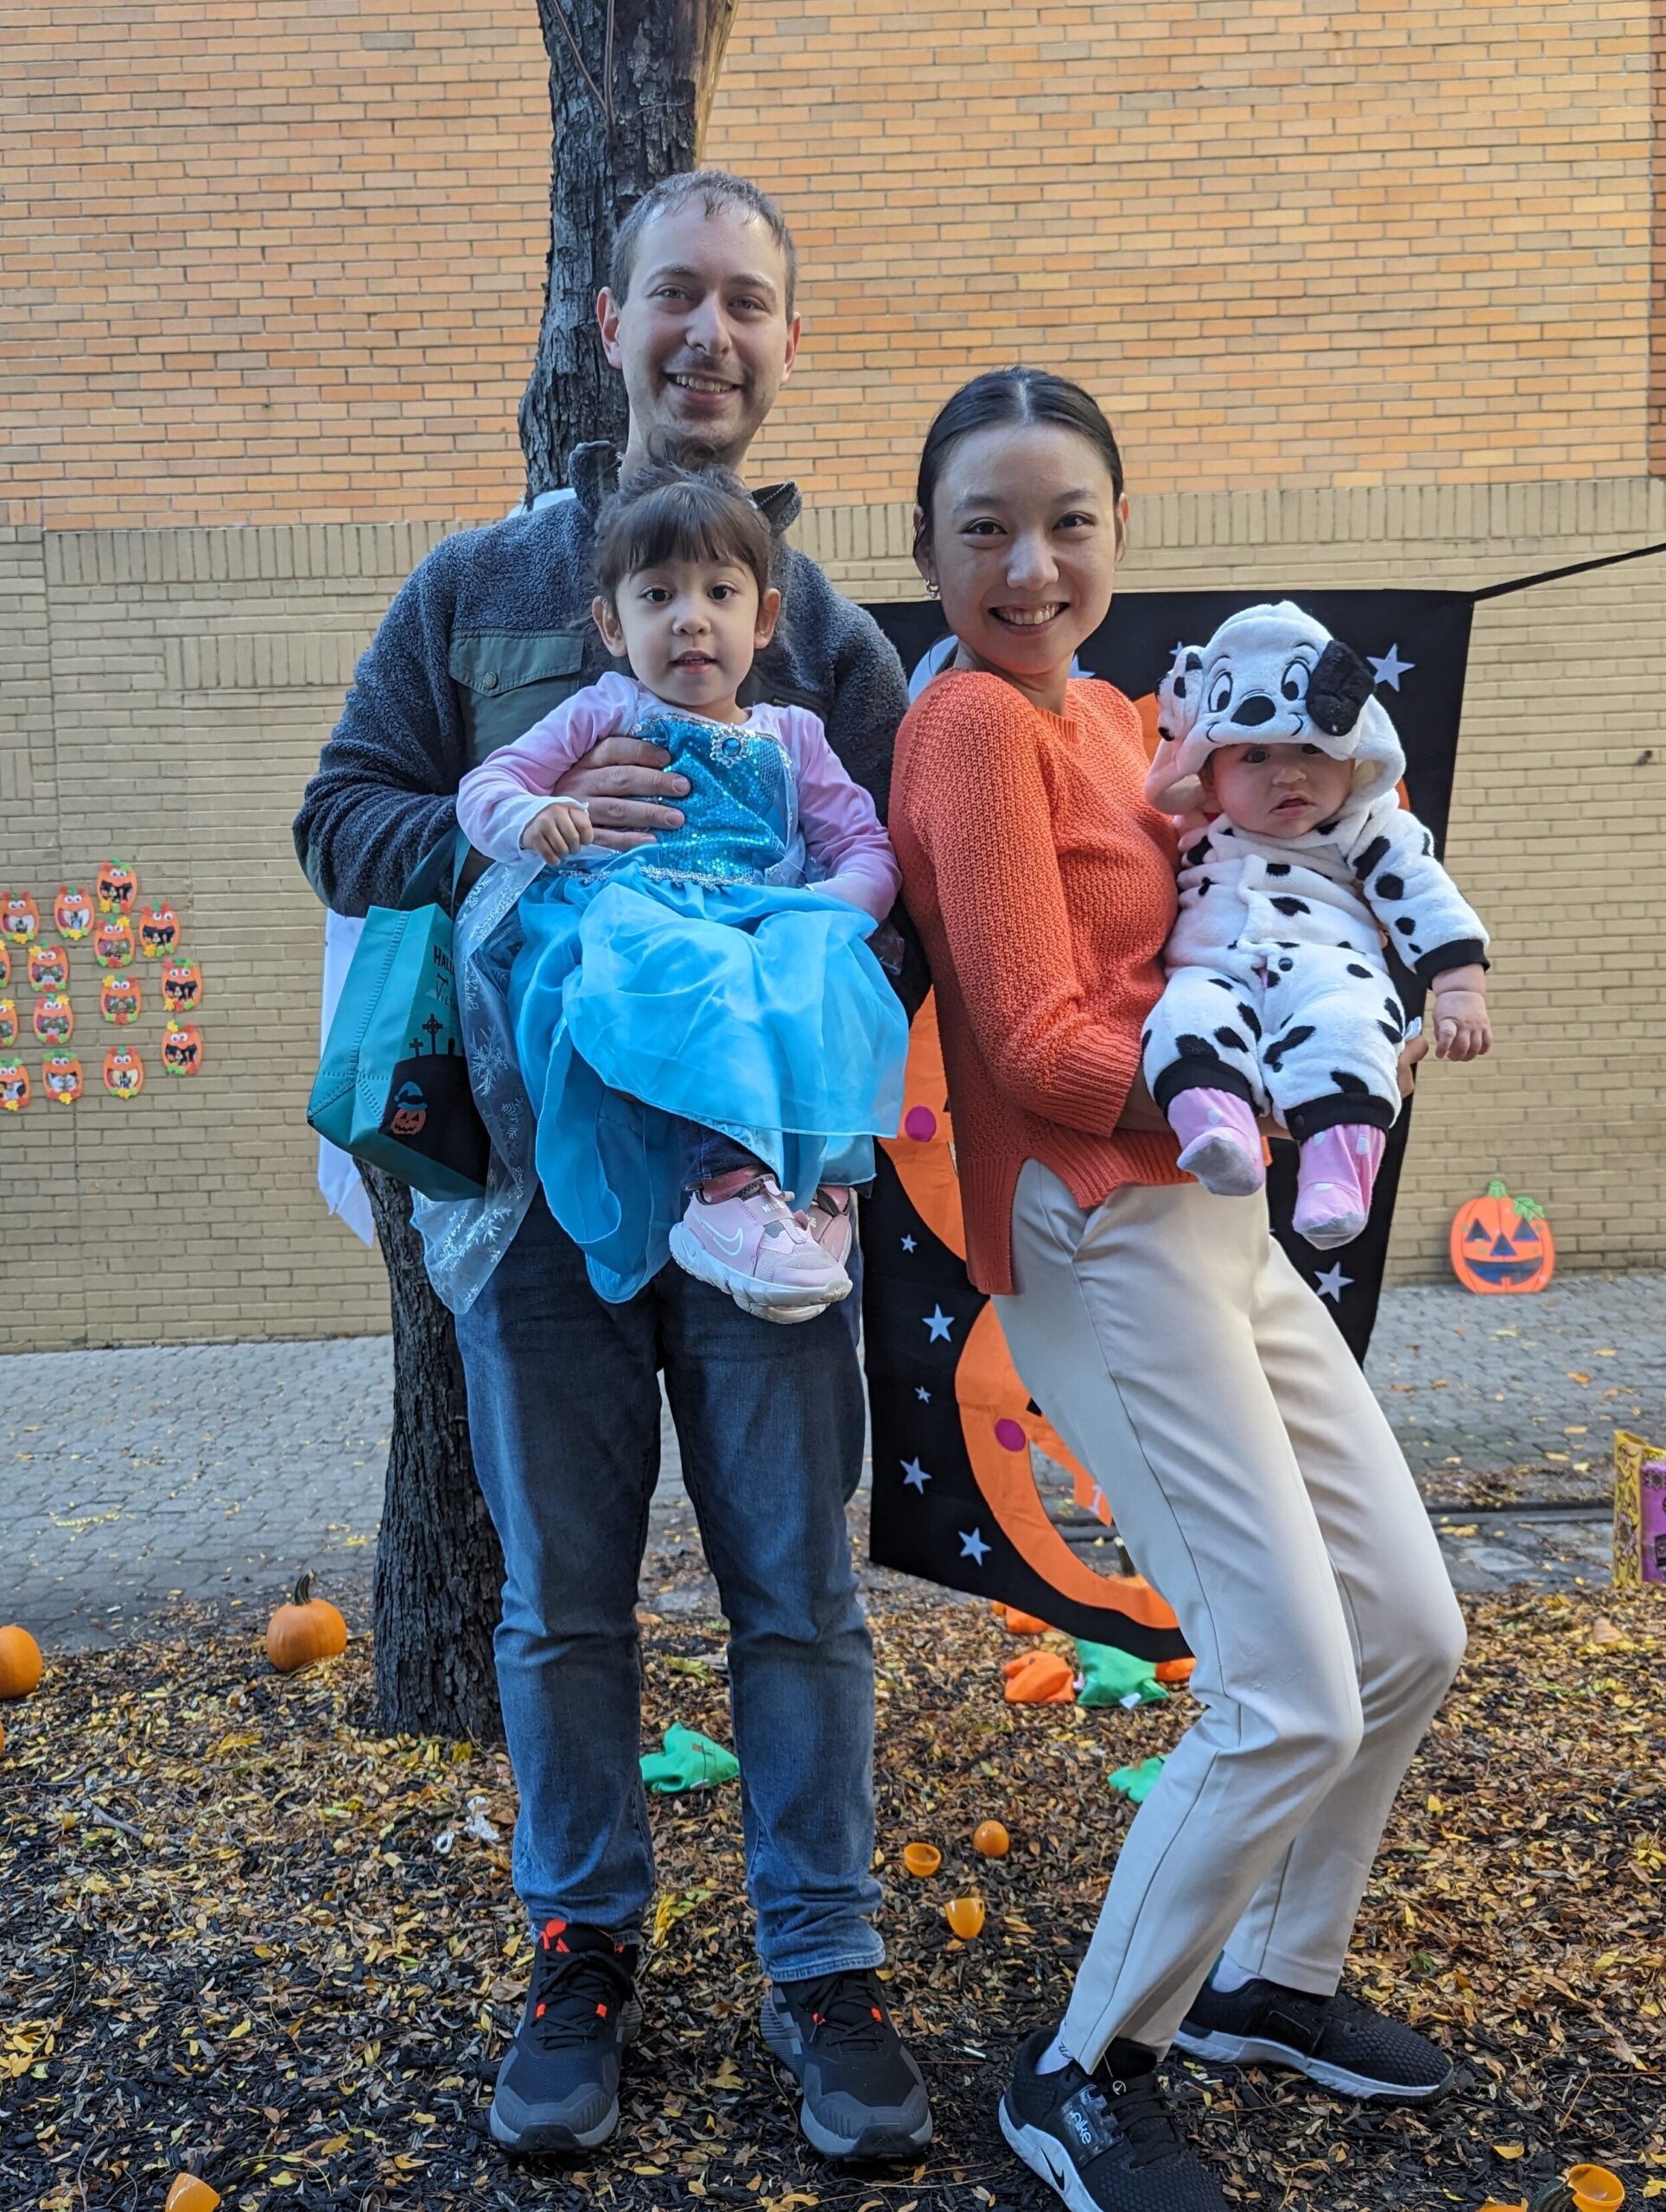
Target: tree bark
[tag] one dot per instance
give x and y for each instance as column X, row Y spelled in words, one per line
column 438, row 1567
column 631, row 86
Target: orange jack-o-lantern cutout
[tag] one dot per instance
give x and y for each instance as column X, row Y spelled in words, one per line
column 20, row 918
column 124, row 1073
column 121, row 999
column 54, row 1019
column 181, row 985
column 118, row 888
column 61, row 1073
column 13, row 1086
column 72, row 912
column 48, row 968
column 159, row 929
column 5, row 963
column 8, row 1021
column 997, row 1421
column 181, row 1048
column 1500, row 1244
column 113, row 942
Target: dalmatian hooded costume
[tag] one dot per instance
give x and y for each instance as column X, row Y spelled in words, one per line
column 1278, row 996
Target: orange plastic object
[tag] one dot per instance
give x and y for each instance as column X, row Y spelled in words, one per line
column 190, row 2195
column 1023, row 1624
column 1039, row 1678
column 990, row 1840
column 964, row 1916
column 921, row 1859
column 1495, row 2204
column 1175, row 1670
column 1595, row 2189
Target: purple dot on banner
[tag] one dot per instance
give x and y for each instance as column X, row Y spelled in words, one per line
column 1009, row 1436
column 919, row 1122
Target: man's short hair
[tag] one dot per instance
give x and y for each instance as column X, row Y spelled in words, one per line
column 715, row 188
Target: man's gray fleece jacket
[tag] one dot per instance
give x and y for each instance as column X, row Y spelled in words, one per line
column 492, row 630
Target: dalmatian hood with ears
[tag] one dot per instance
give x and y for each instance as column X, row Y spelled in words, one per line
column 1269, row 676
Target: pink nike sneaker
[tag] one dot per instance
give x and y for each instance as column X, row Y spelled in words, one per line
column 749, row 1242
column 1219, row 1142
column 831, row 1221
column 1334, row 1174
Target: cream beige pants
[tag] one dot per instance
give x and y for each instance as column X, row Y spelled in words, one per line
column 1256, row 1482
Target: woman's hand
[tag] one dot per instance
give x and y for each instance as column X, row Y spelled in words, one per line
column 1414, row 1049
column 620, row 781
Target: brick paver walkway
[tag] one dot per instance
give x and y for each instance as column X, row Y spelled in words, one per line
column 137, row 1477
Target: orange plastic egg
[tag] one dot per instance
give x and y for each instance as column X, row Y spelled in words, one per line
column 1595, row 2189
column 990, row 1840
column 964, row 1916
column 921, row 1859
column 190, row 2195
column 20, row 1662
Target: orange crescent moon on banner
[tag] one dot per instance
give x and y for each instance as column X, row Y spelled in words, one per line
column 997, row 1419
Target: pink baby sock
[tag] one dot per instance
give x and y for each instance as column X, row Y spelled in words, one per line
column 1219, row 1142
column 1334, row 1175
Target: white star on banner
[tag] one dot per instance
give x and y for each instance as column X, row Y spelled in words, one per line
column 1332, row 1282
column 939, row 1324
column 922, row 1394
column 908, row 1244
column 972, row 1545
column 914, row 1477
column 1391, row 667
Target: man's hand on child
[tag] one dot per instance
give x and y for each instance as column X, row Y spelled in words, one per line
column 1462, row 1030
column 622, row 779
column 558, row 831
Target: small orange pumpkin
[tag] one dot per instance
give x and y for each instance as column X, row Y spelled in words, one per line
column 190, row 2195
column 20, row 1662
column 965, row 1917
column 1500, row 1245
column 990, row 1840
column 307, row 1629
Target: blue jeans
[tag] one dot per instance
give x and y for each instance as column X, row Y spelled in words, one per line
column 563, row 1413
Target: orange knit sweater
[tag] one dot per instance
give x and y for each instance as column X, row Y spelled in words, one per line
column 1042, row 884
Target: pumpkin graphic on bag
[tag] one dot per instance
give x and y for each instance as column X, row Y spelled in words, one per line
column 1499, row 1244
column 62, row 1076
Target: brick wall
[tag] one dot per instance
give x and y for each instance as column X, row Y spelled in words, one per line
column 163, row 694
column 285, row 263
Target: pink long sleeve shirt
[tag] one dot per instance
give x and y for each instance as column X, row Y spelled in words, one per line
column 498, row 800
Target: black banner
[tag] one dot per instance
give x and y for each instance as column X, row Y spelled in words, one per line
column 955, row 1499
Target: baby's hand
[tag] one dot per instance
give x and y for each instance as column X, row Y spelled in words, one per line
column 561, row 828
column 1462, row 1030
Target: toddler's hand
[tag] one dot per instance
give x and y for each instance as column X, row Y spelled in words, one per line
column 1462, row 1030
column 558, row 830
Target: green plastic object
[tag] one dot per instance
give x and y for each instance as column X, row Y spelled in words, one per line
column 1136, row 1782
column 690, row 1761
column 1114, row 1677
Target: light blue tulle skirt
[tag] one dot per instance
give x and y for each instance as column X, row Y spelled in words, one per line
column 641, row 1003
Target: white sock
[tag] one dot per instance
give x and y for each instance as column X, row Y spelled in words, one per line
column 1053, row 2059
column 1229, row 1975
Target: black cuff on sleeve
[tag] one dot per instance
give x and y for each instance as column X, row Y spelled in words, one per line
column 1468, row 952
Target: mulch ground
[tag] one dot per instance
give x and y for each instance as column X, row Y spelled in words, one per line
column 231, row 1943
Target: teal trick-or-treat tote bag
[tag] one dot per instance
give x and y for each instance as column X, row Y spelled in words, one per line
column 392, row 1086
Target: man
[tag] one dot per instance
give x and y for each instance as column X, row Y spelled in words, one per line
column 490, row 632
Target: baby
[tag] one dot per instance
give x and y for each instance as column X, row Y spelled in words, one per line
column 1297, row 861
column 703, row 1031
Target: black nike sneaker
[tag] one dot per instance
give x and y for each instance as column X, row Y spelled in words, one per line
column 558, row 2085
column 1337, row 2042
column 1106, row 2141
column 863, row 2095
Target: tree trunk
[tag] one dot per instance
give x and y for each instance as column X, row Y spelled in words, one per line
column 631, row 86
column 438, row 1567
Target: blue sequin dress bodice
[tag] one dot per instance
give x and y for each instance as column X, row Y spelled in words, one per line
column 740, row 816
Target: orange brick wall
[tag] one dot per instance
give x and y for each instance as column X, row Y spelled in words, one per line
column 263, row 259
column 278, row 259
column 1285, row 245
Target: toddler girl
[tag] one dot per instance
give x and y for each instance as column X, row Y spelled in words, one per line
column 703, row 1033
column 1297, row 860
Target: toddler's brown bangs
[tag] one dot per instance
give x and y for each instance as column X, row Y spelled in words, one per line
column 667, row 515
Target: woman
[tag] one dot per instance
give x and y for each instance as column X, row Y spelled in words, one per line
column 1163, row 1331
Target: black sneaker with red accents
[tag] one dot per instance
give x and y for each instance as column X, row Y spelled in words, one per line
column 558, row 2085
column 1104, row 2141
column 1345, row 2046
column 863, row 2095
